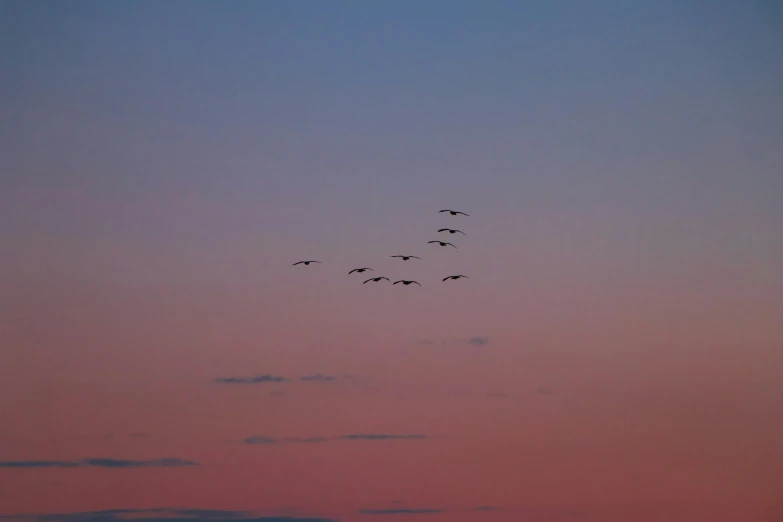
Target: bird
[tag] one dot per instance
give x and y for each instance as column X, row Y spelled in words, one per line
column 442, row 243
column 455, row 277
column 306, row 262
column 453, row 212
column 405, row 258
column 376, row 279
column 360, row 270
column 452, row 230
column 405, row 282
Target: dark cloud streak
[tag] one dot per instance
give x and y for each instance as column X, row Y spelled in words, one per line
column 99, row 463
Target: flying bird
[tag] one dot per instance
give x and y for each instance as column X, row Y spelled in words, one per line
column 405, row 282
column 441, row 243
column 376, row 279
column 360, row 270
column 455, row 277
column 453, row 212
column 405, row 258
column 452, row 230
column 306, row 262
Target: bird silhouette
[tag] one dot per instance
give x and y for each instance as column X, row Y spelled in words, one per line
column 306, row 262
column 455, row 277
column 360, row 270
column 406, row 283
column 405, row 258
column 442, row 243
column 452, row 230
column 452, row 212
column 376, row 279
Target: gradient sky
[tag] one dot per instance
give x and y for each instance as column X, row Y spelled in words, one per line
column 615, row 356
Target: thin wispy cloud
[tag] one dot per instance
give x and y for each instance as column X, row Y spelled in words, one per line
column 306, row 440
column 380, row 436
column 260, row 439
column 160, row 515
column 257, row 379
column 263, row 439
column 98, row 463
column 400, row 511
column 480, row 340
column 317, row 377
column 485, row 508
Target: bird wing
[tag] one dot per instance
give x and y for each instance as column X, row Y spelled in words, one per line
column 428, row 242
column 458, row 212
column 396, row 256
column 315, row 261
column 447, row 277
column 370, row 269
column 466, row 277
column 442, row 229
column 416, row 282
column 368, row 280
column 461, row 232
column 352, row 271
column 386, row 278
column 446, row 210
column 415, row 257
column 298, row 262
column 394, row 283
column 451, row 245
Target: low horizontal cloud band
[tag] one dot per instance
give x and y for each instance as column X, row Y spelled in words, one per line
column 98, row 463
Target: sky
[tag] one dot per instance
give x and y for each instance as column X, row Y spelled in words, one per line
column 615, row 354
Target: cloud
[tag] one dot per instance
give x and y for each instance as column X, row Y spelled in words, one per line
column 38, row 464
column 98, row 463
column 485, row 508
column 544, row 391
column 400, row 511
column 316, row 377
column 251, row 380
column 161, row 515
column 306, row 439
column 380, row 436
column 480, row 340
column 263, row 439
column 260, row 439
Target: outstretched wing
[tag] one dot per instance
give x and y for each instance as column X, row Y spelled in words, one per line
column 386, row 278
column 396, row 256
column 428, row 242
column 352, row 271
column 298, row 262
column 466, row 277
column 414, row 257
column 370, row 269
column 394, row 283
column 416, row 282
column 442, row 229
column 446, row 210
column 461, row 232
column 447, row 277
column 451, row 245
column 458, row 212
column 368, row 280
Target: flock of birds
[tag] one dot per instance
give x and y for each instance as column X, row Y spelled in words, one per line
column 407, row 282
